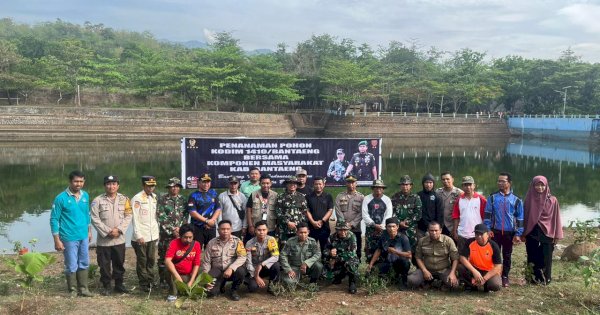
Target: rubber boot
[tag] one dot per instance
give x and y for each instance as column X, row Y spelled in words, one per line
column 82, row 283
column 71, row 283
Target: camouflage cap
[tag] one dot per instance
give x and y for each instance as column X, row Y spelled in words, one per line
column 341, row 225
column 291, row 179
column 468, row 180
column 173, row 182
column 405, row 179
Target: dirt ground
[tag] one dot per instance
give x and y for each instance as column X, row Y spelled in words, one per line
column 566, row 295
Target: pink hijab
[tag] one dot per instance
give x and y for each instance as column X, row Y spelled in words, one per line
column 542, row 209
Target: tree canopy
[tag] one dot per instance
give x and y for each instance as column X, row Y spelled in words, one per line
column 320, row 72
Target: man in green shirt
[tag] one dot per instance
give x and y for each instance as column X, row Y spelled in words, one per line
column 301, row 255
column 251, row 185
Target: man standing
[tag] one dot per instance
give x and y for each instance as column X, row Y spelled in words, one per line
column 340, row 258
column 362, row 164
column 320, row 208
column 407, row 208
column 224, row 259
column 204, row 208
column 263, row 259
column 337, row 167
column 432, row 208
column 504, row 216
column 111, row 214
column 252, row 185
column 449, row 194
column 301, row 256
column 481, row 263
column 290, row 209
column 376, row 208
column 467, row 213
column 232, row 203
column 72, row 232
column 171, row 214
column 348, row 208
column 302, row 176
column 261, row 207
column 145, row 232
column 393, row 252
column 437, row 258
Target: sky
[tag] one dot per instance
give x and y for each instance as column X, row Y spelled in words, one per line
column 529, row 28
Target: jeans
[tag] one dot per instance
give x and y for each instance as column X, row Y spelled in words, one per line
column 76, row 255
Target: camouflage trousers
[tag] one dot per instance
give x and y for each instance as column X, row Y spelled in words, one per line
column 163, row 245
column 342, row 268
column 411, row 233
column 372, row 238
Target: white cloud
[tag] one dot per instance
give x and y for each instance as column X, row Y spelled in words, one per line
column 209, row 35
column 586, row 16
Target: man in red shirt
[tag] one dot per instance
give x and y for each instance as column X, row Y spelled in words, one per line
column 182, row 260
column 481, row 262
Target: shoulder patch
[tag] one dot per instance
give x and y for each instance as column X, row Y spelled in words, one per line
column 272, row 247
column 240, row 250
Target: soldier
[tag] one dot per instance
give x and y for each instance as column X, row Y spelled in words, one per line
column 72, row 233
column 145, row 232
column 171, row 214
column 290, row 209
column 301, row 256
column 348, row 208
column 393, row 252
column 252, row 185
column 232, row 203
column 111, row 214
column 261, row 207
column 263, row 259
column 337, row 167
column 362, row 164
column 320, row 209
column 204, row 208
column 340, row 257
column 302, row 176
column 376, row 208
column 407, row 208
column 224, row 259
column 449, row 194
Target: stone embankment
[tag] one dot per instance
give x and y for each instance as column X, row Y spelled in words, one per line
column 20, row 123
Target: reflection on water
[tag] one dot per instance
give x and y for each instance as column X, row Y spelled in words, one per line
column 33, row 173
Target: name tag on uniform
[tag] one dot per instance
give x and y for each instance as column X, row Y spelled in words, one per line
column 264, row 216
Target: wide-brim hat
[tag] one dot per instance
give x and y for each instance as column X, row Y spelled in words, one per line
column 378, row 183
column 174, row 182
column 341, row 225
column 291, row 179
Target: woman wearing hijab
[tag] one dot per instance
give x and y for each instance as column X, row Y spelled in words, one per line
column 543, row 228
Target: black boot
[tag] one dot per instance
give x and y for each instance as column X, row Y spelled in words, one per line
column 106, row 290
column 352, row 284
column 120, row 287
column 402, row 286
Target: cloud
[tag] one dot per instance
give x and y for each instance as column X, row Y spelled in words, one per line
column 209, row 35
column 586, row 16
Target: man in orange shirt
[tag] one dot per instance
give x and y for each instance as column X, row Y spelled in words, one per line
column 481, row 262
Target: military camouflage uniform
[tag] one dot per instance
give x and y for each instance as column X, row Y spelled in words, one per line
column 363, row 165
column 289, row 207
column 408, row 208
column 346, row 261
column 171, row 213
column 339, row 167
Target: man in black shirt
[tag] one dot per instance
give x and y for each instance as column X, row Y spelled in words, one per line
column 320, row 208
column 302, row 176
column 395, row 250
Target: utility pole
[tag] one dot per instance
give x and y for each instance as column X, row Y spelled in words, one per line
column 564, row 94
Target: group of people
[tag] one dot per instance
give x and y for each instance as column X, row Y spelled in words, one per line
column 251, row 234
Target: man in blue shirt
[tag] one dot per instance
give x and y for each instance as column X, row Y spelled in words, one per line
column 504, row 217
column 204, row 208
column 72, row 232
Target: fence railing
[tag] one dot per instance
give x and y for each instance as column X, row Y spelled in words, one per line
column 407, row 114
column 556, row 116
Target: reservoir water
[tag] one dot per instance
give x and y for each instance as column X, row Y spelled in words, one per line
column 33, row 173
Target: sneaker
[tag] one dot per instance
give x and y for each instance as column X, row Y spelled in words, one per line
column 171, row 298
column 505, row 282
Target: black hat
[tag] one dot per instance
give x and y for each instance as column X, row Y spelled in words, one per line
column 149, row 180
column 110, row 179
column 481, row 228
column 392, row 220
column 205, row 177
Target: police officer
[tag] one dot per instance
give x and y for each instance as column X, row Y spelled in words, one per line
column 407, row 208
column 171, row 214
column 362, row 164
column 340, row 257
column 348, row 207
column 111, row 214
column 224, row 259
column 263, row 258
column 337, row 167
column 290, row 209
column 145, row 232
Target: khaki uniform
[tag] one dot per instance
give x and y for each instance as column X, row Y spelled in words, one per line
column 260, row 206
column 221, row 255
column 348, row 207
column 145, row 225
column 107, row 214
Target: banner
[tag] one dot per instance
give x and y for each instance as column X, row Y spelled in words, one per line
column 280, row 158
